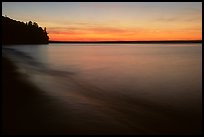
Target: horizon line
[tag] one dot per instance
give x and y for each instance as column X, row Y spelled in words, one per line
column 136, row 41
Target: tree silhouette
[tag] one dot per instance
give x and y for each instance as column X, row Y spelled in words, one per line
column 16, row 32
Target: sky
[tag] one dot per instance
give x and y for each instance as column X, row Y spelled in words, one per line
column 110, row 21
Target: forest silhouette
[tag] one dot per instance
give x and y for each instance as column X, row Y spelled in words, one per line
column 17, row 32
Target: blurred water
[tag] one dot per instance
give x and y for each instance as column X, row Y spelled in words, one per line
column 136, row 88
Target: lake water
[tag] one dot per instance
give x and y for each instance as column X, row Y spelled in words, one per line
column 119, row 88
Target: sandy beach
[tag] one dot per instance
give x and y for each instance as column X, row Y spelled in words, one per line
column 24, row 109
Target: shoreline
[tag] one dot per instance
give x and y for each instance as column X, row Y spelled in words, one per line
column 26, row 110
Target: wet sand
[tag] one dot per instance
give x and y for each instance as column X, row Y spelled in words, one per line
column 27, row 111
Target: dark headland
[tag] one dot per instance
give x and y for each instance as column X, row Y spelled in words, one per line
column 17, row 33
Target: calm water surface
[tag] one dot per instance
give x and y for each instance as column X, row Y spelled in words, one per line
column 120, row 88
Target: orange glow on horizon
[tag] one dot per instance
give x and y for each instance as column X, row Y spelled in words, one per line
column 126, row 36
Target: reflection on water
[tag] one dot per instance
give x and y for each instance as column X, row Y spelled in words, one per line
column 175, row 69
column 124, row 88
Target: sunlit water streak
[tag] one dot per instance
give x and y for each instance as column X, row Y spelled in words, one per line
column 119, row 88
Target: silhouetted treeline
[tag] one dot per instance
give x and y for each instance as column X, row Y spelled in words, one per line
column 16, row 32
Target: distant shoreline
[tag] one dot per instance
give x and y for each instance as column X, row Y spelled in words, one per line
column 131, row 42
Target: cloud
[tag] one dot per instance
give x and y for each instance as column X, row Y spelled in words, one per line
column 179, row 19
column 94, row 30
column 94, row 33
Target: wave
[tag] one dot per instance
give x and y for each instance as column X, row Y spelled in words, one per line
column 23, row 59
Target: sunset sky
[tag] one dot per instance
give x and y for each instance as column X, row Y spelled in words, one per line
column 98, row 21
